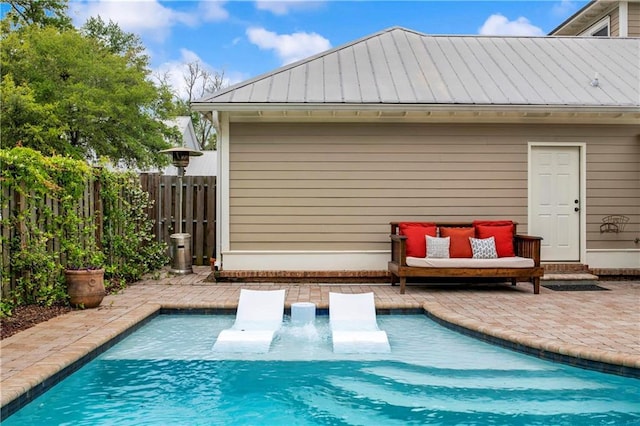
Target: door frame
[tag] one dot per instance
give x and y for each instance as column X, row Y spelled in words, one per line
column 582, row 153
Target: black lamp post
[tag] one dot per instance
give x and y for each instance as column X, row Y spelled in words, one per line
column 180, row 247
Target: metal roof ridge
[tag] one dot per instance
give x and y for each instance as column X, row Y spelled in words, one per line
column 288, row 67
column 304, row 61
column 243, row 92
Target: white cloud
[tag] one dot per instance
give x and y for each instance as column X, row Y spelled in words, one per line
column 212, row 11
column 175, row 71
column 146, row 17
column 564, row 8
column 289, row 47
column 498, row 24
column 282, row 7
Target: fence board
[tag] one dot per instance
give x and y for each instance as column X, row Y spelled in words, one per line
column 198, row 210
column 167, row 201
column 188, row 205
column 210, row 236
column 98, row 209
column 6, row 203
column 198, row 220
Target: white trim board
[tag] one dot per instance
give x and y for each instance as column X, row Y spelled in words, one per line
column 377, row 260
column 306, row 260
column 222, row 190
column 601, row 24
column 613, row 259
column 623, row 19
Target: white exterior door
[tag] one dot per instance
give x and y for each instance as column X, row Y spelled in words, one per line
column 555, row 201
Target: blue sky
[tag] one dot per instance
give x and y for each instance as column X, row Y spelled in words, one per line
column 247, row 38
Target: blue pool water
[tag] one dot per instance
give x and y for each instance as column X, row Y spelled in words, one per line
column 166, row 373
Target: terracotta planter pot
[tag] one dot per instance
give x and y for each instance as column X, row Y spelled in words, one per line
column 85, row 287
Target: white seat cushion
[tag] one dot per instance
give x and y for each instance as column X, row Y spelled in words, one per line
column 458, row 262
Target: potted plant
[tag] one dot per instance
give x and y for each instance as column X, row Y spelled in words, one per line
column 84, row 272
column 84, row 276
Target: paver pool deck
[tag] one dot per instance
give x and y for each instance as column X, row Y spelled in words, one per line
column 601, row 326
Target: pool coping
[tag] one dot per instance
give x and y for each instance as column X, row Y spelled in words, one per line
column 550, row 350
column 77, row 354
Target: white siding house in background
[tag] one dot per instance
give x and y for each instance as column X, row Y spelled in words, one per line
column 317, row 157
column 185, row 127
column 205, row 165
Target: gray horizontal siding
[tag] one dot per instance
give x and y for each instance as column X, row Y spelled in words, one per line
column 614, row 31
column 613, row 187
column 336, row 187
column 634, row 19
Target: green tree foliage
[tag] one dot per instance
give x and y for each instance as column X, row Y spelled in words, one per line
column 38, row 12
column 23, row 118
column 85, row 96
column 116, row 41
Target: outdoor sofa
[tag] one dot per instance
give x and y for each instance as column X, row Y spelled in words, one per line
column 478, row 249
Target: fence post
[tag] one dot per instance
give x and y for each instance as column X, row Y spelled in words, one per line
column 98, row 207
column 6, row 274
column 211, row 217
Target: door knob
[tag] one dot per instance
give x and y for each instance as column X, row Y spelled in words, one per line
column 576, row 209
column 576, row 201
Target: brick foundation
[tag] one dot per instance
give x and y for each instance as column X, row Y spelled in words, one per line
column 616, row 273
column 301, row 276
column 565, row 268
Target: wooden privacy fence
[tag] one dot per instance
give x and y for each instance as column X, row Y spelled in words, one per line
column 198, row 207
column 40, row 224
column 198, row 210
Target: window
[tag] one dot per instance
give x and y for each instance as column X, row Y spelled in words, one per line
column 603, row 32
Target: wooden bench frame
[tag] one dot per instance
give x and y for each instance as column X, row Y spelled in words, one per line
column 524, row 246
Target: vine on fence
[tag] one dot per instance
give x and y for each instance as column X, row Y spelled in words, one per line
column 128, row 239
column 49, row 224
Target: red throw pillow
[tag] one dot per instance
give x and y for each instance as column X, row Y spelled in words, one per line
column 502, row 231
column 460, row 245
column 416, row 237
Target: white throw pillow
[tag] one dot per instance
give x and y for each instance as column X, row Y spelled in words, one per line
column 484, row 248
column 438, row 248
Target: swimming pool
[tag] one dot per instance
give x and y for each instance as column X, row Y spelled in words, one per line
column 166, row 373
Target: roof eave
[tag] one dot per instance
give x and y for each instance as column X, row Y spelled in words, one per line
column 230, row 107
column 573, row 24
column 427, row 113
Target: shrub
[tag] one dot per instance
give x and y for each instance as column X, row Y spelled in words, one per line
column 50, row 222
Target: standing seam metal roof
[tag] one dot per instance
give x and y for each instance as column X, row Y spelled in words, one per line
column 400, row 66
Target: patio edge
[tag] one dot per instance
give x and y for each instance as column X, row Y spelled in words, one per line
column 579, row 356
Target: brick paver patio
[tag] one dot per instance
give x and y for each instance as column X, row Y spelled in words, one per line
column 599, row 326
